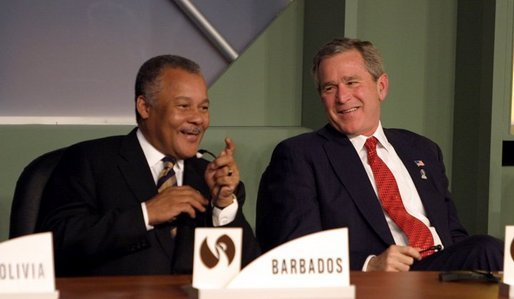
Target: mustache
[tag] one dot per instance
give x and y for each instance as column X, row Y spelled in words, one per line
column 193, row 130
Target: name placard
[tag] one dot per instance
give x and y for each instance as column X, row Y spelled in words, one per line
column 313, row 266
column 508, row 259
column 316, row 260
column 217, row 258
column 27, row 267
column 507, row 286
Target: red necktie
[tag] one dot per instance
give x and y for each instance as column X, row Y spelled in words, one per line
column 417, row 232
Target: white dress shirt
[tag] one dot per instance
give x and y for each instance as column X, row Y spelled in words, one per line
column 154, row 159
column 408, row 191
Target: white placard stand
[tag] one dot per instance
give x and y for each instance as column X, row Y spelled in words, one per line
column 217, row 256
column 313, row 266
column 507, row 286
column 27, row 268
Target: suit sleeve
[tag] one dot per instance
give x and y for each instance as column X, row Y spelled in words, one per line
column 84, row 224
column 251, row 249
column 287, row 204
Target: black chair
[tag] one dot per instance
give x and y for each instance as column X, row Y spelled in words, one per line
column 28, row 193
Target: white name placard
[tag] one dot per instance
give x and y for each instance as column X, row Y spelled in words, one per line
column 313, row 266
column 27, row 267
column 316, row 260
column 508, row 259
column 217, row 258
column 507, row 286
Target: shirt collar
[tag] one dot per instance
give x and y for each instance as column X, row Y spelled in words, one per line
column 152, row 155
column 359, row 140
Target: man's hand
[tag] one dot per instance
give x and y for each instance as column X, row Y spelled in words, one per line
column 170, row 203
column 222, row 176
column 395, row 259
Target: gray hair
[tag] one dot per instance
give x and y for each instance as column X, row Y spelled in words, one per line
column 147, row 79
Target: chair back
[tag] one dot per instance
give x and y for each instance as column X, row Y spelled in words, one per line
column 28, row 193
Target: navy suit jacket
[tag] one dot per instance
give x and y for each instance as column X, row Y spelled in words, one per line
column 316, row 181
column 92, row 204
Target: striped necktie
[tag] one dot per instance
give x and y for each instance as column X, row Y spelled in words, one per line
column 167, row 176
column 417, row 232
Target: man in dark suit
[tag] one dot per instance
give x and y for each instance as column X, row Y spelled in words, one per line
column 102, row 202
column 325, row 179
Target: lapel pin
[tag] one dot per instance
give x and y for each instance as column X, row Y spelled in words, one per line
column 423, row 174
column 419, row 163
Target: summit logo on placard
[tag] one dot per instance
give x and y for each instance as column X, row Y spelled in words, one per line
column 224, row 247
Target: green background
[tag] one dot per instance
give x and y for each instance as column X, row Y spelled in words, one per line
column 449, row 64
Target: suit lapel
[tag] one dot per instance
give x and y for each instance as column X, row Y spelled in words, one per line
column 350, row 171
column 135, row 169
column 139, row 180
column 194, row 176
column 184, row 240
column 417, row 167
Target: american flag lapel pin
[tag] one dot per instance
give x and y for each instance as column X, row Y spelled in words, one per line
column 422, row 172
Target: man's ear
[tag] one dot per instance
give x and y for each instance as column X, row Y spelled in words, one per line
column 142, row 106
column 383, row 86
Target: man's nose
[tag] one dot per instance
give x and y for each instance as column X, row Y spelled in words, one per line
column 343, row 94
column 197, row 116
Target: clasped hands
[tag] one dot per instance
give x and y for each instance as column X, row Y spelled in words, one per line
column 222, row 177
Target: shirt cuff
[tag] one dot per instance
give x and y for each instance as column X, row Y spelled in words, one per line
column 365, row 266
column 145, row 216
column 226, row 215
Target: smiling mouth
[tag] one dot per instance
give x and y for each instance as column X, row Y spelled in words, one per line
column 195, row 131
column 348, row 110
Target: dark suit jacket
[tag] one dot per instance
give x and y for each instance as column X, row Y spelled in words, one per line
column 92, row 204
column 316, row 181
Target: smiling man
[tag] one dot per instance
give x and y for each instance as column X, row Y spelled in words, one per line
column 129, row 205
column 387, row 186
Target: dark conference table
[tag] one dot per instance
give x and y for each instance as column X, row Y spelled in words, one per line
column 369, row 285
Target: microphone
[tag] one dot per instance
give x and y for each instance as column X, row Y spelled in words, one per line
column 201, row 153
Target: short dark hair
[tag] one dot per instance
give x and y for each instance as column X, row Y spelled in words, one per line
column 147, row 79
column 372, row 59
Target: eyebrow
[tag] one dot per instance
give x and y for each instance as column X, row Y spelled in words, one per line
column 350, row 78
column 330, row 83
column 206, row 100
column 344, row 79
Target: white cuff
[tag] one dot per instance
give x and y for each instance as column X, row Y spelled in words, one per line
column 145, row 216
column 226, row 215
column 365, row 266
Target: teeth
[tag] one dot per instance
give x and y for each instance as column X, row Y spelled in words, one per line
column 193, row 131
column 349, row 110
